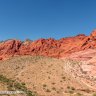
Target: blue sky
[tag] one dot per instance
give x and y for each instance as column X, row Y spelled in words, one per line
column 21, row 19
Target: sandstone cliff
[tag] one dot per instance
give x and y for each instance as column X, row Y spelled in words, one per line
column 48, row 47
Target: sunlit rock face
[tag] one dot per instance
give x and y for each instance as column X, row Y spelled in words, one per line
column 93, row 34
column 63, row 47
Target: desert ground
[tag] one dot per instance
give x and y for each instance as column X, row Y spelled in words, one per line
column 46, row 76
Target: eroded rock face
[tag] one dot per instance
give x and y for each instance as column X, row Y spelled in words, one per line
column 93, row 34
column 48, row 47
column 9, row 48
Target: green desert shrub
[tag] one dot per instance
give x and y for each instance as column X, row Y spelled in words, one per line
column 13, row 85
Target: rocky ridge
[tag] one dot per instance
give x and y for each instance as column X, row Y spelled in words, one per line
column 48, row 47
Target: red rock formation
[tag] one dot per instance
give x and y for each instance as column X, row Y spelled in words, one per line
column 93, row 35
column 48, row 47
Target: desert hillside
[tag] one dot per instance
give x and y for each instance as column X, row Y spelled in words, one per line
column 49, row 67
column 47, row 48
column 46, row 76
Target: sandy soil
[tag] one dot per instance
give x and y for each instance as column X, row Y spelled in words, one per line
column 46, row 76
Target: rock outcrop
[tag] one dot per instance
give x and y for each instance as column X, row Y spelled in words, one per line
column 48, row 47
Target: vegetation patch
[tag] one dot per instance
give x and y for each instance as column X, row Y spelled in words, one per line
column 13, row 85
